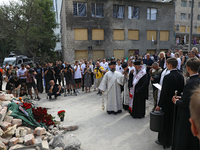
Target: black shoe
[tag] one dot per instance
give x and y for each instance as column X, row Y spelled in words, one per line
column 49, row 97
column 119, row 111
column 98, row 93
column 55, row 97
column 109, row 112
column 157, row 142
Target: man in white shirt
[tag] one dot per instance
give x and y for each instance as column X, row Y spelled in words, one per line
column 77, row 76
column 83, row 67
column 119, row 67
column 104, row 64
column 21, row 74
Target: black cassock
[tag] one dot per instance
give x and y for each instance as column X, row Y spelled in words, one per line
column 140, row 96
column 183, row 137
column 171, row 82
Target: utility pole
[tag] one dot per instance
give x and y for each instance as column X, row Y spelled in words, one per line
column 191, row 26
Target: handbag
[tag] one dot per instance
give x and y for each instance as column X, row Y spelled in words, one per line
column 157, row 121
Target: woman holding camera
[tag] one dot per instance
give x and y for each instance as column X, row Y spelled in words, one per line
column 9, row 86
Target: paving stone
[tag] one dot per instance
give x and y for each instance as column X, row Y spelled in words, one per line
column 2, row 146
column 45, row 145
column 29, row 139
column 5, row 141
column 17, row 121
column 5, row 125
column 8, row 119
column 39, row 131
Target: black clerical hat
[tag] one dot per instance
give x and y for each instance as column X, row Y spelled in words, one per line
column 138, row 62
column 112, row 63
column 124, row 65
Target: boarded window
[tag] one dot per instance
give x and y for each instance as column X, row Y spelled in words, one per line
column 81, row 54
column 80, row 34
column 98, row 54
column 118, row 53
column 164, row 35
column 151, row 51
column 188, row 29
column 182, row 28
column 174, row 28
column 118, row 34
column 151, row 35
column 198, row 29
column 133, row 34
column 133, row 52
column 97, row 34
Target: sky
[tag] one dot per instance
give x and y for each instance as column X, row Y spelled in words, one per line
column 5, row 1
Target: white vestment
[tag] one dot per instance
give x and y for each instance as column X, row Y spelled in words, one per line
column 164, row 73
column 112, row 80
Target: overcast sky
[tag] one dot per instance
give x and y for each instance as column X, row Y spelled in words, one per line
column 5, row 1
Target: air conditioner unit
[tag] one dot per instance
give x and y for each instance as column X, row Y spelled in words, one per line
column 196, row 26
column 98, row 42
column 178, row 27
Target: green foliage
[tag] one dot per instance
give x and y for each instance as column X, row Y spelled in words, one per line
column 31, row 24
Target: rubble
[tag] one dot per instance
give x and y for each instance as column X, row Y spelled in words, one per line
column 13, row 135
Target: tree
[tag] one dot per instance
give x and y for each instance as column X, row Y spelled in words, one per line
column 30, row 24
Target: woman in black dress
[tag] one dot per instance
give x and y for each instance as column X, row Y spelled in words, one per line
column 8, row 85
column 161, row 60
column 87, row 77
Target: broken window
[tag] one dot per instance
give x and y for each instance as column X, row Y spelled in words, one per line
column 118, row 11
column 79, row 9
column 97, row 10
column 133, row 12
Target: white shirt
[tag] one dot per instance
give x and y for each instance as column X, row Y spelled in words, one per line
column 119, row 68
column 77, row 73
column 104, row 65
column 172, row 55
column 83, row 67
column 91, row 67
column 179, row 63
column 21, row 72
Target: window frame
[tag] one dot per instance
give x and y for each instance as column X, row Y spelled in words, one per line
column 151, row 14
column 96, row 10
column 189, row 16
column 78, row 9
column 185, row 16
column 182, row 3
column 198, row 17
column 132, row 13
column 116, row 13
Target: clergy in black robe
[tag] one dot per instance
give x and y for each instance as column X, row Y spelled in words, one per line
column 183, row 138
column 138, row 92
column 172, row 82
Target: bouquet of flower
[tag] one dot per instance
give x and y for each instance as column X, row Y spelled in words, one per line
column 41, row 115
column 61, row 113
column 26, row 105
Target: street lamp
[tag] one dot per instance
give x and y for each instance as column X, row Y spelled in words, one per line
column 191, row 25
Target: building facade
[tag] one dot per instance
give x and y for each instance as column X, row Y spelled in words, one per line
column 92, row 29
column 182, row 20
column 57, row 9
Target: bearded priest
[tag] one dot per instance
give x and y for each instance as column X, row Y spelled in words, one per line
column 112, row 80
column 138, row 92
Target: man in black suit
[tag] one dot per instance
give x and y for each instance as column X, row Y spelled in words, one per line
column 172, row 82
column 183, row 138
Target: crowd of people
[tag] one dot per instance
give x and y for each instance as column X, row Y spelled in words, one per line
column 127, row 82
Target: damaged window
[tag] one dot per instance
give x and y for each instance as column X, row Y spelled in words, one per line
column 118, row 11
column 133, row 12
column 79, row 9
column 97, row 10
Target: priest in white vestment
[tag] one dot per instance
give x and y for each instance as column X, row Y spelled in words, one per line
column 112, row 81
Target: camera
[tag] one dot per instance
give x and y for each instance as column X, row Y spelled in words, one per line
column 31, row 70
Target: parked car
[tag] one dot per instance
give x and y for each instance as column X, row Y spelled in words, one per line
column 17, row 60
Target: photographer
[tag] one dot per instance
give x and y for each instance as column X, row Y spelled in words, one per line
column 38, row 77
column 69, row 76
column 77, row 76
column 54, row 89
column 30, row 81
column 57, row 70
column 15, row 82
column 98, row 72
column 49, row 75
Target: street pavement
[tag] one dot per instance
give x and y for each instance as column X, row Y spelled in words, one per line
column 100, row 131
